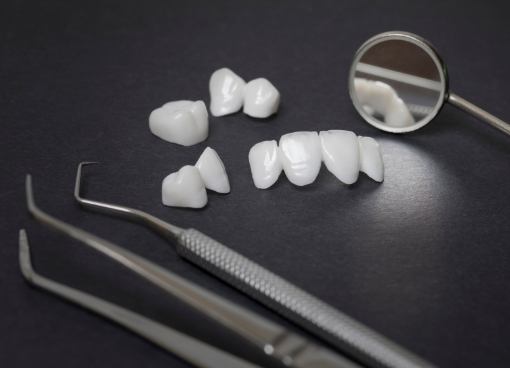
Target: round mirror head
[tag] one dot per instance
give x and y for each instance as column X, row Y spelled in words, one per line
column 398, row 82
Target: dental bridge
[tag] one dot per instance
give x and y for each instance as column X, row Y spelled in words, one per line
column 361, row 345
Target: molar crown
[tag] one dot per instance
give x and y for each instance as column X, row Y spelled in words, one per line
column 181, row 122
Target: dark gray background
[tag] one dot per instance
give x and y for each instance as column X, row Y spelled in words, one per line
column 423, row 258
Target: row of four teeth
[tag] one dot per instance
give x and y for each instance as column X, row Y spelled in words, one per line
column 300, row 155
column 187, row 187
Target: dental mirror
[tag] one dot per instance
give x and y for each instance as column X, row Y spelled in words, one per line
column 399, row 83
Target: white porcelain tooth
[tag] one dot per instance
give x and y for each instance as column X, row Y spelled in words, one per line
column 397, row 113
column 184, row 188
column 379, row 97
column 261, row 98
column 340, row 153
column 182, row 122
column 227, row 92
column 371, row 162
column 300, row 155
column 265, row 164
column 213, row 171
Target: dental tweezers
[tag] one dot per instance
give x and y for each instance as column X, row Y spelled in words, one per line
column 187, row 348
column 284, row 346
column 321, row 319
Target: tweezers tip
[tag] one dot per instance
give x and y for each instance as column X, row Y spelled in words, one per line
column 24, row 255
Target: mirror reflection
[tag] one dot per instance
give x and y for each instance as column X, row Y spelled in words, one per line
column 398, row 83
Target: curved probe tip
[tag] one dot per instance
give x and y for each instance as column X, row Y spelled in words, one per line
column 77, row 183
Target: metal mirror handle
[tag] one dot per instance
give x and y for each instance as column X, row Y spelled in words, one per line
column 474, row 110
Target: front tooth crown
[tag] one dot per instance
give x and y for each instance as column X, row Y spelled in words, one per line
column 371, row 161
column 184, row 188
column 265, row 164
column 300, row 155
column 227, row 92
column 182, row 122
column 261, row 98
column 213, row 171
column 340, row 153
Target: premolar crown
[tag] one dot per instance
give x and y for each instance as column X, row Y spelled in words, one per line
column 184, row 188
column 227, row 92
column 187, row 187
column 213, row 171
column 261, row 98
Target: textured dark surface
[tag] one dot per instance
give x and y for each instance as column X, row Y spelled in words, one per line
column 423, row 258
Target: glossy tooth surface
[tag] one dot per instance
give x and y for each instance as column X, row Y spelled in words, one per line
column 371, row 159
column 184, row 188
column 340, row 153
column 375, row 96
column 300, row 155
column 227, row 92
column 261, row 98
column 182, row 122
column 379, row 97
column 213, row 171
column 265, row 164
column 397, row 114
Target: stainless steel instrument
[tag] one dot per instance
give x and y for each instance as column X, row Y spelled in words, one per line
column 284, row 346
column 189, row 349
column 309, row 312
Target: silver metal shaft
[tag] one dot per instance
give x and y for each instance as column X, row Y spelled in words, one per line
column 297, row 305
column 284, row 346
column 481, row 114
column 187, row 348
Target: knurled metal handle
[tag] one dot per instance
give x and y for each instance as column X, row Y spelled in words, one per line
column 294, row 303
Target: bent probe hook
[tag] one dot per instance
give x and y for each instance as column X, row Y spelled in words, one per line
column 306, row 310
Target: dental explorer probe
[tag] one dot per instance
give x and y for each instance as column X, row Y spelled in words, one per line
column 309, row 312
column 274, row 340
